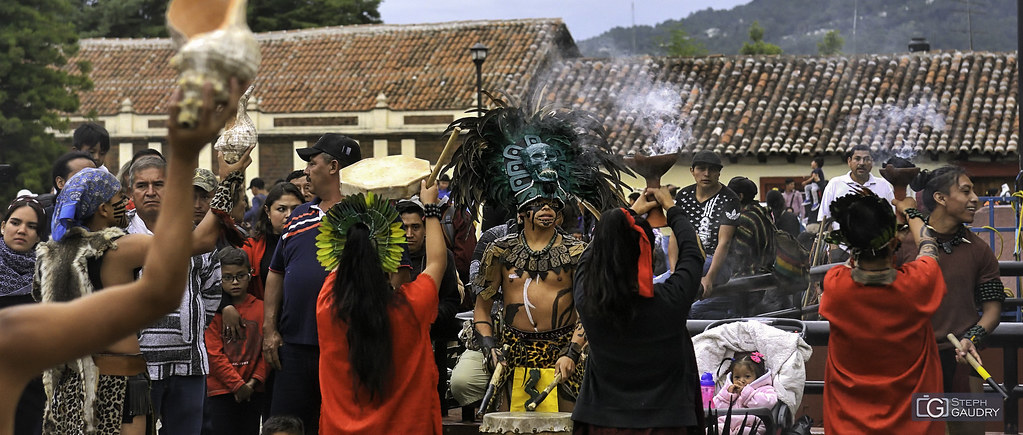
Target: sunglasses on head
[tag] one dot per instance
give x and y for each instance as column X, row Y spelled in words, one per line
column 22, row 201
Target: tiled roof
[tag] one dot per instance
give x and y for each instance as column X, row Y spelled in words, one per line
column 338, row 69
column 938, row 102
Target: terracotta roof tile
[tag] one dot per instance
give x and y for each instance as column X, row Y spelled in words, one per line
column 937, row 102
column 333, row 69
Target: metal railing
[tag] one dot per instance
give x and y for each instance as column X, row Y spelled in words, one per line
column 990, row 231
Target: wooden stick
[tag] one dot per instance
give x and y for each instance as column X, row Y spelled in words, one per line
column 488, row 396
column 531, row 406
column 445, row 155
column 976, row 366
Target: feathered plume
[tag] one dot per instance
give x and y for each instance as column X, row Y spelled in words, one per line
column 841, row 209
column 492, row 166
column 371, row 210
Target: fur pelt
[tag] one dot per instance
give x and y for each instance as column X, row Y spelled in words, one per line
column 62, row 275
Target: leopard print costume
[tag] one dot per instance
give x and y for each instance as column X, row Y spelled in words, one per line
column 223, row 198
column 223, row 201
column 542, row 350
column 108, row 406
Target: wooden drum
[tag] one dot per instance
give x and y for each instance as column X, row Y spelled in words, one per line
column 527, row 423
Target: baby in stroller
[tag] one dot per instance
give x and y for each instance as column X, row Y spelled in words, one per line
column 782, row 352
column 749, row 385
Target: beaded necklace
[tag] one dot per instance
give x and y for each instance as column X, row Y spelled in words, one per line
column 522, row 239
column 958, row 238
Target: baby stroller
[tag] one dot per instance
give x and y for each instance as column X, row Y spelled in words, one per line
column 780, row 340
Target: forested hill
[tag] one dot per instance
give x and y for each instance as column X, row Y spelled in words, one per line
column 883, row 26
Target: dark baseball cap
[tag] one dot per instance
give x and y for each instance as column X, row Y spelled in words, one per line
column 707, row 158
column 343, row 148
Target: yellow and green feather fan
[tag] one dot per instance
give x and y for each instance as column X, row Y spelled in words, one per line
column 370, row 210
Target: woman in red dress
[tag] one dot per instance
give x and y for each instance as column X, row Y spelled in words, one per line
column 377, row 374
column 881, row 348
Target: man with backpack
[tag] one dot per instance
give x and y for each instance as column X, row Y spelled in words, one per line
column 757, row 248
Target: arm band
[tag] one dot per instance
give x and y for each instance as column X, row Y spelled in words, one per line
column 976, row 334
column 223, row 199
column 912, row 213
column 573, row 351
column 486, row 343
column 431, row 210
column 991, row 291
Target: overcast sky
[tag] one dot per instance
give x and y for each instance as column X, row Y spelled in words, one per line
column 585, row 18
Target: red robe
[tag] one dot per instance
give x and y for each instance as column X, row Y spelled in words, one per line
column 410, row 403
column 881, row 350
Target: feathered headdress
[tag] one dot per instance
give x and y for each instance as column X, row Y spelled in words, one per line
column 510, row 157
column 842, row 212
column 370, row 210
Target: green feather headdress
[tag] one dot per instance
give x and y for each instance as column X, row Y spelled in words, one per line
column 841, row 209
column 371, row 210
column 510, row 156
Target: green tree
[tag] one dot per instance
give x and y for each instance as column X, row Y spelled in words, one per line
column 37, row 88
column 267, row 15
column 683, row 45
column 756, row 35
column 121, row 18
column 147, row 18
column 831, row 44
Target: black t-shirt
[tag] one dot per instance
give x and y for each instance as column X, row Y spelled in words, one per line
column 708, row 216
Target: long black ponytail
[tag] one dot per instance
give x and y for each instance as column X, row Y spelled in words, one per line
column 362, row 294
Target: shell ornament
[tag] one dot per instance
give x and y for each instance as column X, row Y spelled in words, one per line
column 214, row 43
column 240, row 134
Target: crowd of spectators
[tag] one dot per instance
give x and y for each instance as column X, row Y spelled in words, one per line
column 243, row 349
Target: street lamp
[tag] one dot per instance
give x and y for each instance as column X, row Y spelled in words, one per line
column 479, row 54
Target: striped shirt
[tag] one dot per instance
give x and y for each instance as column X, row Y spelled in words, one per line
column 295, row 257
column 175, row 345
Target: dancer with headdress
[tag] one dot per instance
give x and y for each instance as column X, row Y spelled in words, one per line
column 873, row 370
column 534, row 162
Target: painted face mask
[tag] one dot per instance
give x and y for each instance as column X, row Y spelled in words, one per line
column 514, row 158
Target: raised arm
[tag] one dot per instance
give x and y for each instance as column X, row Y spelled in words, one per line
column 922, row 235
column 685, row 279
column 42, row 335
column 207, row 233
column 436, row 250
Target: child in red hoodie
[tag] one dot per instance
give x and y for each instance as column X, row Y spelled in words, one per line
column 237, row 369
